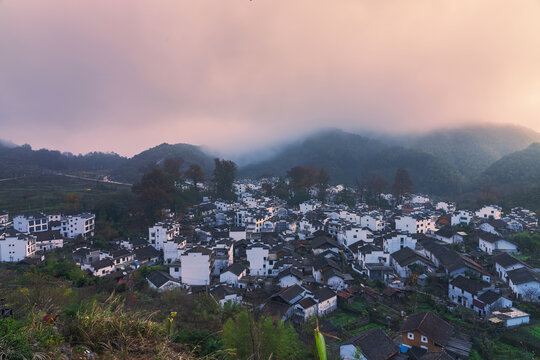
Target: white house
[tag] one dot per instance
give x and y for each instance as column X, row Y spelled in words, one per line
column 396, row 241
column 490, row 301
column 289, row 277
column 327, row 300
column 489, row 212
column 445, row 206
column 16, row 246
column 33, row 222
column 308, row 206
column 161, row 281
column 512, row 317
column 306, row 308
column 373, row 221
column 197, row 266
column 505, row 263
column 372, row 344
column 491, row 243
column 463, row 291
column 4, row 219
column 525, row 284
column 415, row 223
column 461, row 217
column 232, row 274
column 75, row 225
column 257, row 256
column 353, row 233
column 162, row 232
column 100, row 268
column 401, row 261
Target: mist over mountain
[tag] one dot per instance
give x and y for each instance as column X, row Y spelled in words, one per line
column 521, row 167
column 473, row 149
column 441, row 162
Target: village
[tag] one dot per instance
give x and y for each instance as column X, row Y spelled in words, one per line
column 371, row 273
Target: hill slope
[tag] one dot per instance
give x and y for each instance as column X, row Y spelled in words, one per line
column 473, row 149
column 349, row 156
column 519, row 167
column 134, row 167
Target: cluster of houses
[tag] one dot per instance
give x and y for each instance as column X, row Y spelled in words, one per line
column 30, row 234
column 308, row 257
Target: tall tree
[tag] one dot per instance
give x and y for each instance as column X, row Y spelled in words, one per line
column 375, row 186
column 195, row 174
column 224, row 178
column 267, row 188
column 345, row 196
column 402, row 184
column 171, row 167
column 323, row 181
column 302, row 177
column 153, row 194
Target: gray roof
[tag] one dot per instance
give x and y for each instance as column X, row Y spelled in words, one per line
column 523, row 275
column 431, row 326
column 159, row 278
column 375, row 344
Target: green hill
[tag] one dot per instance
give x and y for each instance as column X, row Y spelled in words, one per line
column 349, row 156
column 519, row 167
column 473, row 149
column 134, row 167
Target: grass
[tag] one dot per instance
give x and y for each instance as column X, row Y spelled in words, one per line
column 49, row 193
column 367, row 327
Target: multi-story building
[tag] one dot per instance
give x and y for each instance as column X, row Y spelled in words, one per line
column 83, row 225
column 15, row 246
column 162, row 232
column 32, row 222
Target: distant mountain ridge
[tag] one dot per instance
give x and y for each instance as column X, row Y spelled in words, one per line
column 440, row 162
column 473, row 149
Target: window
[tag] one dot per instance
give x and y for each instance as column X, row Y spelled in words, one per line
column 410, row 336
column 424, row 339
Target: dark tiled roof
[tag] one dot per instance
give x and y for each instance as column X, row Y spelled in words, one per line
column 523, row 275
column 375, row 344
column 507, row 260
column 101, row 264
column 48, row 235
column 235, row 268
column 146, row 252
column 431, row 326
column 469, row 285
column 323, row 294
column 489, row 237
column 489, row 297
column 290, row 271
column 406, row 256
column 290, row 293
column 159, row 278
column 307, row 302
column 325, row 242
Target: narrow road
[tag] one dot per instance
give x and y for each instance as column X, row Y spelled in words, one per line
column 96, row 180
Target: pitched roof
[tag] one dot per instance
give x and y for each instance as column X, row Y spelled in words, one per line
column 489, row 237
column 101, row 264
column 159, row 278
column 323, row 294
column 291, row 293
column 523, row 275
column 325, row 242
column 235, row 268
column 307, row 302
column 146, row 252
column 489, row 297
column 507, row 260
column 375, row 344
column 469, row 285
column 431, row 326
column 406, row 256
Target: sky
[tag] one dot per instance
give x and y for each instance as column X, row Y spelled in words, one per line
column 239, row 75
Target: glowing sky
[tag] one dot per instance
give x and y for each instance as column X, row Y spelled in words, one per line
column 125, row 75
